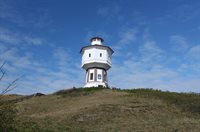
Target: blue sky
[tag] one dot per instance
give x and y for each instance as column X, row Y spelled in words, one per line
column 156, row 42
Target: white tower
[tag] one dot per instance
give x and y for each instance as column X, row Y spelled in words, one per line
column 96, row 60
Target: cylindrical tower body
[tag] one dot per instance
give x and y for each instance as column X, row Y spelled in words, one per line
column 96, row 60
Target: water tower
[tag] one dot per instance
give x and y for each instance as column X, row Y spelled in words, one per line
column 96, row 60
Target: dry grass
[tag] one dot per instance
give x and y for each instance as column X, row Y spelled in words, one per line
column 9, row 97
column 105, row 110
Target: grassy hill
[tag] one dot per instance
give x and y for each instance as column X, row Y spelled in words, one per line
column 108, row 110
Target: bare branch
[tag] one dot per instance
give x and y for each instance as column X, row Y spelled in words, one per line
column 2, row 65
column 2, row 71
column 10, row 86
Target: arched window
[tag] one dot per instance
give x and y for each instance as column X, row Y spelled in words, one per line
column 89, row 55
column 91, row 76
column 100, row 55
column 99, row 76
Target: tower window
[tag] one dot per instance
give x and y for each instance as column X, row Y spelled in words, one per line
column 99, row 76
column 100, row 55
column 89, row 55
column 91, row 76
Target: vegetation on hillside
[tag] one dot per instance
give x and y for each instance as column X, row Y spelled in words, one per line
column 188, row 102
column 78, row 91
column 98, row 109
column 7, row 117
column 7, row 109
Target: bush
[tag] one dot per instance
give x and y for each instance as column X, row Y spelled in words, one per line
column 77, row 91
column 7, row 117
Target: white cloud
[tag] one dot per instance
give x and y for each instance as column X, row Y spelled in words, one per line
column 127, row 37
column 49, row 79
column 62, row 74
column 10, row 37
column 16, row 61
column 151, row 53
column 137, row 74
column 150, row 69
column 62, row 57
column 194, row 53
column 33, row 41
column 179, row 42
column 7, row 37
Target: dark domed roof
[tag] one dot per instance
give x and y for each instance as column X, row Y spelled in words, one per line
column 96, row 38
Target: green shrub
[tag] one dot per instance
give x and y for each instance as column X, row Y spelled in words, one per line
column 7, row 117
column 78, row 91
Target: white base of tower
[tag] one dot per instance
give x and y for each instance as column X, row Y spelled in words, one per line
column 96, row 77
column 96, row 84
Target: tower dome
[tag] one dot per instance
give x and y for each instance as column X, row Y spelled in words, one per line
column 96, row 60
column 96, row 41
